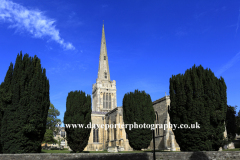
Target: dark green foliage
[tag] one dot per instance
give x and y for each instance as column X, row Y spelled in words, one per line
column 48, row 137
column 51, row 125
column 25, row 103
column 138, row 107
column 231, row 124
column 198, row 96
column 238, row 122
column 52, row 119
column 5, row 98
column 78, row 111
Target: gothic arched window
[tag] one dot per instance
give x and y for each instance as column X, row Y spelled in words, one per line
column 104, row 101
column 109, row 103
column 107, row 100
column 95, row 134
column 108, row 134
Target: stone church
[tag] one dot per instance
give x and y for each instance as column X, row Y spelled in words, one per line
column 105, row 111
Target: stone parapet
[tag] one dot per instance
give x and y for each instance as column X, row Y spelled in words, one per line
column 210, row 155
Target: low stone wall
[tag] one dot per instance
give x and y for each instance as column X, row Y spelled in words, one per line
column 212, row 155
column 75, row 156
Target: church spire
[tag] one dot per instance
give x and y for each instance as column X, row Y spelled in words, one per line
column 104, row 95
column 103, row 69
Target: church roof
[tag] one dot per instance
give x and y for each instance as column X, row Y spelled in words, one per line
column 112, row 111
column 95, row 112
column 161, row 99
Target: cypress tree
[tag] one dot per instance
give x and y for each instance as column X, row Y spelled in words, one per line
column 198, row 97
column 238, row 122
column 5, row 97
column 231, row 123
column 137, row 107
column 24, row 119
column 78, row 111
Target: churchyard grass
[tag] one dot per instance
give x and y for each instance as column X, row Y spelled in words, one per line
column 55, row 151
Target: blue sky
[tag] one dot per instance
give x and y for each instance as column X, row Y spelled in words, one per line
column 147, row 42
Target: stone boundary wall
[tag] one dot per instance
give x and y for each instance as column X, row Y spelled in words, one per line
column 211, row 155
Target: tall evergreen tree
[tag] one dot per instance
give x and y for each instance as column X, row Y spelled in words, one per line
column 26, row 106
column 138, row 107
column 5, row 97
column 238, row 122
column 231, row 123
column 198, row 97
column 78, row 111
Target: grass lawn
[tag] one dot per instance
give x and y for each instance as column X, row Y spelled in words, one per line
column 65, row 150
column 55, row 151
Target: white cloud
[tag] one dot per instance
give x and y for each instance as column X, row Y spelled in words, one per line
column 229, row 64
column 33, row 21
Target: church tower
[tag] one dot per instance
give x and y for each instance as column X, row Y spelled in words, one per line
column 104, row 90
